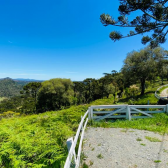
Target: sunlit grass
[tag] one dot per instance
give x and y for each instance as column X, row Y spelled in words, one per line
column 159, row 123
column 38, row 140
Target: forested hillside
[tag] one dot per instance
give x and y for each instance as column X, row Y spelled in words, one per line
column 11, row 87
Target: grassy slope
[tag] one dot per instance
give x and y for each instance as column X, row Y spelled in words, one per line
column 39, row 140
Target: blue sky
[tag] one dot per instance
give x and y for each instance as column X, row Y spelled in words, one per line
column 44, row 39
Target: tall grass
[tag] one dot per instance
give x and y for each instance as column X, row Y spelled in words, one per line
column 159, row 123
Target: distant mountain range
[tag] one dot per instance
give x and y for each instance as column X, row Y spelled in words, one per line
column 12, row 87
column 22, row 79
column 29, row 80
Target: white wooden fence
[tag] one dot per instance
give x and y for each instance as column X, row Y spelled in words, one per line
column 109, row 111
column 98, row 113
column 73, row 160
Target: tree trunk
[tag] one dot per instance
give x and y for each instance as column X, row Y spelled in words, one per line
column 162, row 79
column 114, row 97
column 142, row 86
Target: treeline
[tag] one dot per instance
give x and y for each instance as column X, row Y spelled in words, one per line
column 60, row 93
column 140, row 69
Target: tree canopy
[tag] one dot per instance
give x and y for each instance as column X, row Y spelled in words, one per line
column 143, row 64
column 154, row 17
column 55, row 94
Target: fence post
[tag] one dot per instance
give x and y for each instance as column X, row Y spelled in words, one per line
column 69, row 143
column 148, row 104
column 82, row 124
column 167, row 108
column 91, row 113
column 128, row 113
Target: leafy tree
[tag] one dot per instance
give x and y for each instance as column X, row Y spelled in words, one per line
column 32, row 88
column 29, row 93
column 79, row 92
column 55, row 94
column 110, row 89
column 90, row 85
column 142, row 65
column 114, row 72
column 104, row 82
column 154, row 17
column 116, row 79
column 12, row 104
column 162, row 62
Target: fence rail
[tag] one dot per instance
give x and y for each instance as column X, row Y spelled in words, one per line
column 72, row 159
column 125, row 111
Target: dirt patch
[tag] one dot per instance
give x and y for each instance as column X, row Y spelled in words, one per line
column 124, row 148
column 164, row 93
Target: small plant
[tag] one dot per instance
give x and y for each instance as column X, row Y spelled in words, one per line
column 92, row 149
column 85, row 165
column 143, row 144
column 157, row 161
column 99, row 144
column 90, row 163
column 164, row 150
column 139, row 139
column 124, row 130
column 100, row 156
column 153, row 139
column 83, row 156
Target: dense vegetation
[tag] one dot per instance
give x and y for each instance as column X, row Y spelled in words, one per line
column 37, row 140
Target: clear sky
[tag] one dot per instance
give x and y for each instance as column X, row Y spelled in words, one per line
column 44, row 39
